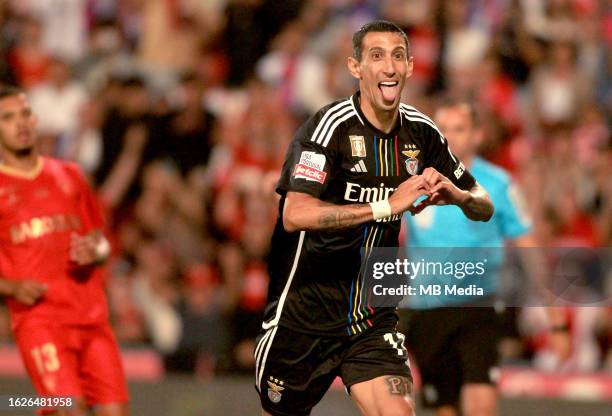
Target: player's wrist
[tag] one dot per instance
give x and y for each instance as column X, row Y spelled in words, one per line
column 381, row 209
column 8, row 287
column 102, row 250
column 463, row 199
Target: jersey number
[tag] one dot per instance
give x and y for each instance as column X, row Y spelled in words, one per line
column 397, row 341
column 45, row 357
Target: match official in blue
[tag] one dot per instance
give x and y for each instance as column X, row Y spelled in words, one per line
column 455, row 347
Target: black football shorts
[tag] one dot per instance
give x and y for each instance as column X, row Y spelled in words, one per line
column 294, row 370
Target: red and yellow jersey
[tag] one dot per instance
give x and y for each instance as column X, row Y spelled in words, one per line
column 39, row 210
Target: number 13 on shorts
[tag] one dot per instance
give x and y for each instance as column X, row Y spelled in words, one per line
column 45, row 357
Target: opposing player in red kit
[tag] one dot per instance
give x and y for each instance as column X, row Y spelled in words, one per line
column 51, row 245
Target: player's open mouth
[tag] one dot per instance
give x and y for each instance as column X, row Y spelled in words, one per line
column 389, row 90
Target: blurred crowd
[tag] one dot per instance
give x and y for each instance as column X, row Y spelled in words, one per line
column 180, row 113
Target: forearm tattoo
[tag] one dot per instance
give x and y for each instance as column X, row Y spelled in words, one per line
column 337, row 219
column 399, row 385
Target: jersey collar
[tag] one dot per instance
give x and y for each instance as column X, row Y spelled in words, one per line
column 23, row 174
column 366, row 122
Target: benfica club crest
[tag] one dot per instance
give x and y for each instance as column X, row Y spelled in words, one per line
column 412, row 163
column 274, row 392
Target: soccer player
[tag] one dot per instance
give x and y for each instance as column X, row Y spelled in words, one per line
column 350, row 172
column 50, row 247
column 455, row 347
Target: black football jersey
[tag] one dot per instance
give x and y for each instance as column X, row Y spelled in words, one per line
column 337, row 156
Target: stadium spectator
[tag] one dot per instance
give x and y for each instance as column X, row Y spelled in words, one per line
column 127, row 143
column 59, row 100
column 188, row 131
column 64, row 26
column 558, row 88
column 28, row 58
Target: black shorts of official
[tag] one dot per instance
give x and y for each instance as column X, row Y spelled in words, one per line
column 452, row 347
column 294, row 370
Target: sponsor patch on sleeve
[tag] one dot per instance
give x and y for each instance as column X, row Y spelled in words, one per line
column 459, row 171
column 310, row 167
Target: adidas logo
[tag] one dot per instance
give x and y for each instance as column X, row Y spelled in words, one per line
column 359, row 167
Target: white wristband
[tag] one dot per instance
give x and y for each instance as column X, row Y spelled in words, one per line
column 381, row 209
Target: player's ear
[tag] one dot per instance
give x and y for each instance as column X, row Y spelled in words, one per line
column 410, row 67
column 353, row 67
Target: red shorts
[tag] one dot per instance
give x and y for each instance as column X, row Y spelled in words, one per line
column 73, row 361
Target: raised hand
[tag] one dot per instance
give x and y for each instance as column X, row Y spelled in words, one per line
column 441, row 191
column 407, row 192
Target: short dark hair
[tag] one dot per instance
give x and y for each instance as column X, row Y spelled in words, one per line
column 9, row 91
column 453, row 102
column 376, row 26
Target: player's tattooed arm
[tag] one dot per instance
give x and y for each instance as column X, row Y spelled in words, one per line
column 477, row 206
column 305, row 212
column 338, row 218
